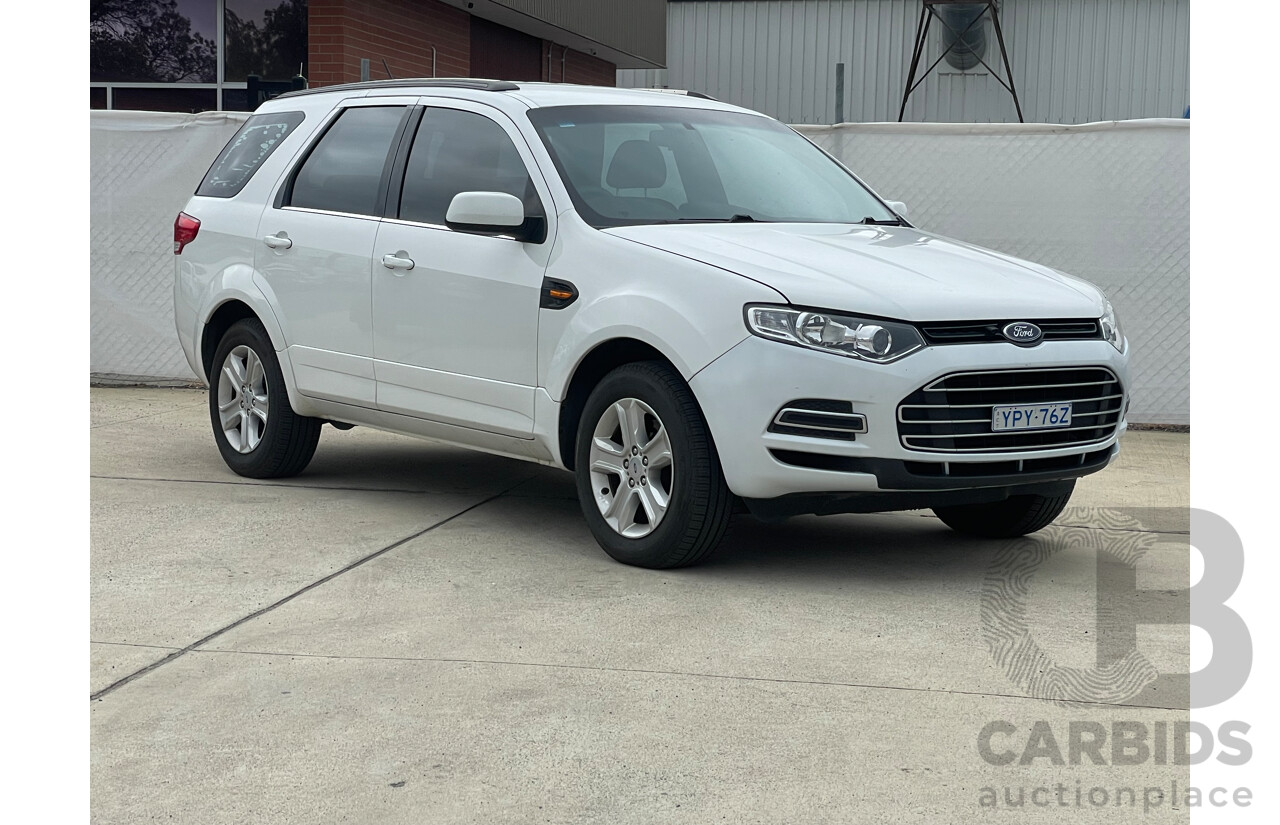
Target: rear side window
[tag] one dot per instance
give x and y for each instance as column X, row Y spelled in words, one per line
column 252, row 145
column 345, row 170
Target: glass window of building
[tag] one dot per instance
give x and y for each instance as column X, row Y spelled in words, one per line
column 194, row 55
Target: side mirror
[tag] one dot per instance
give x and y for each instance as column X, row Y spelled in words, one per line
column 900, row 208
column 494, row 213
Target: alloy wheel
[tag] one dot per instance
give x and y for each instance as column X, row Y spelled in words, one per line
column 631, row 468
column 242, row 399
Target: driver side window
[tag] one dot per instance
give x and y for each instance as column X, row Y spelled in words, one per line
column 456, row 151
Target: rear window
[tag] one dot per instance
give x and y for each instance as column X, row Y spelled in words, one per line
column 251, row 146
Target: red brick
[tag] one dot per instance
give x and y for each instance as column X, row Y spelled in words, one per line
column 403, row 32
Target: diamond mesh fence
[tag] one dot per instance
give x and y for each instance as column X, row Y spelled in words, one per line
column 1109, row 202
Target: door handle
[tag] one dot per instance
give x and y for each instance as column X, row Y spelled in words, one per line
column 280, row 240
column 400, row 260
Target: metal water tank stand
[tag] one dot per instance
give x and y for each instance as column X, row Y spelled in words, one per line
column 928, row 12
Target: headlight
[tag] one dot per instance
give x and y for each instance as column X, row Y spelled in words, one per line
column 869, row 339
column 1111, row 327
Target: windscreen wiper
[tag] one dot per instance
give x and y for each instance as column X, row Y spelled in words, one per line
column 739, row 218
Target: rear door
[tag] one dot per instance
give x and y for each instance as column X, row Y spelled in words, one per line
column 315, row 246
column 455, row 336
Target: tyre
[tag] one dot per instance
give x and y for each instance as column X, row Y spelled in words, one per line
column 257, row 431
column 648, row 476
column 1015, row 516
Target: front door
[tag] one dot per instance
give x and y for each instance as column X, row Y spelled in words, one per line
column 455, row 315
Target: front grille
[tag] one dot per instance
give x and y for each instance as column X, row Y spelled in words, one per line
column 981, row 332
column 953, row 414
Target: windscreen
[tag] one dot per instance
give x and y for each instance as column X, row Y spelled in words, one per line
column 627, row 165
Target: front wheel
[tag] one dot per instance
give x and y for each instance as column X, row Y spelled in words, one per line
column 1015, row 516
column 648, row 476
column 257, row 432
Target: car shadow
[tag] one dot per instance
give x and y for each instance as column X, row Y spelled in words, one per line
column 889, row 547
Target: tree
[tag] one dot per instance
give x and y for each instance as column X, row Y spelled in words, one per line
column 147, row 41
column 274, row 48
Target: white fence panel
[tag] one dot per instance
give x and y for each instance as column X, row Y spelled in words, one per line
column 1109, row 202
column 143, row 168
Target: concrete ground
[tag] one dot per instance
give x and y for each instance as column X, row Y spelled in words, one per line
column 410, row 633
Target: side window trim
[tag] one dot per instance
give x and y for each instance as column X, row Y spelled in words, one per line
column 400, row 162
column 399, row 145
column 284, row 194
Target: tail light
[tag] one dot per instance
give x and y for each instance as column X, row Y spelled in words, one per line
column 185, row 229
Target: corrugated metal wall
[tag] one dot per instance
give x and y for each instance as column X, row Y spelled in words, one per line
column 1074, row 61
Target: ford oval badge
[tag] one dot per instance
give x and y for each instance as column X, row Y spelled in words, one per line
column 1022, row 332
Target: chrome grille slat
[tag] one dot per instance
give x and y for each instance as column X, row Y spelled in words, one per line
column 979, row 435
column 965, row 406
column 975, row 332
column 1021, row 387
column 926, row 423
column 987, row 422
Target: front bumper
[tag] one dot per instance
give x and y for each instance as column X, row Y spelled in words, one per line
column 742, row 391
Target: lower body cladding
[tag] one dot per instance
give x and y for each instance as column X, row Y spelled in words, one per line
column 801, row 431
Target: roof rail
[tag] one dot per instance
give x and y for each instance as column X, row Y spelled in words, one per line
column 685, row 92
column 399, row 83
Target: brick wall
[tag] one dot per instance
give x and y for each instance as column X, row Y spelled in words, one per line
column 402, row 32
column 583, row 68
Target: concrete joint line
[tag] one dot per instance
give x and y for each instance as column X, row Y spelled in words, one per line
column 119, row 683
column 680, row 673
column 283, row 486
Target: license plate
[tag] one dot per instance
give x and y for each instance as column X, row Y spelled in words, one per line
column 1030, row 417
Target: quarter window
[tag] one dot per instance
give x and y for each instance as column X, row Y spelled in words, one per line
column 252, row 145
column 456, row 151
column 344, row 172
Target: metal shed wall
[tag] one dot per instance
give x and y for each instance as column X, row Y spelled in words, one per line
column 1074, row 61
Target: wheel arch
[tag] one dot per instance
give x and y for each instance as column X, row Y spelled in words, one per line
column 216, row 326
column 234, row 307
column 595, row 365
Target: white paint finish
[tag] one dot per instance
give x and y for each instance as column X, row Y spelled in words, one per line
column 525, row 449
column 458, row 347
column 321, row 286
column 895, row 272
column 468, row 306
column 219, row 270
column 1073, row 61
column 689, row 311
column 485, row 209
column 778, row 373
column 454, row 335
column 334, row 376
column 449, row 397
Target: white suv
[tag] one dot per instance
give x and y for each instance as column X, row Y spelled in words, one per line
column 686, row 304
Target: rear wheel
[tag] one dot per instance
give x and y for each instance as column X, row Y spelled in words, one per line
column 648, row 476
column 257, row 432
column 1015, row 516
